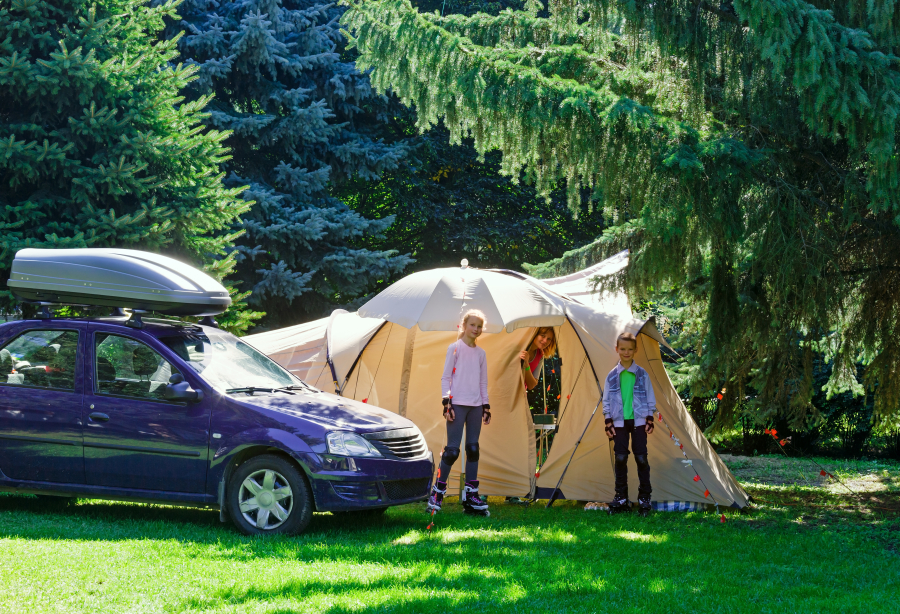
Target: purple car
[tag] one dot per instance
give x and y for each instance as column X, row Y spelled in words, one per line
column 178, row 413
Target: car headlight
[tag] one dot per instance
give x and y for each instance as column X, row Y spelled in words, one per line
column 345, row 443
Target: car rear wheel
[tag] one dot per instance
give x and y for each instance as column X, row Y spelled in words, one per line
column 268, row 495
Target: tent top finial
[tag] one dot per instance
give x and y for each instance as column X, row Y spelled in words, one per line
column 464, row 263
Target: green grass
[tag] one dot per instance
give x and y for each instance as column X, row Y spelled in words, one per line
column 826, row 552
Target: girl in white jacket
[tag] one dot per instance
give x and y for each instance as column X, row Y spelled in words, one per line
column 466, row 406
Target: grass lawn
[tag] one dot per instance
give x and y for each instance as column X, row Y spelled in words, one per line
column 808, row 549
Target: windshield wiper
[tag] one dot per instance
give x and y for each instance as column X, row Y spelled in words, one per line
column 252, row 389
column 303, row 386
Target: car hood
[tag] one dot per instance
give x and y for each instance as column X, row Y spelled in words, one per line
column 330, row 411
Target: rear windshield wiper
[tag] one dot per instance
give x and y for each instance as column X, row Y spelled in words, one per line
column 252, row 389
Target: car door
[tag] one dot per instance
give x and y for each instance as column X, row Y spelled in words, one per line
column 41, row 391
column 133, row 437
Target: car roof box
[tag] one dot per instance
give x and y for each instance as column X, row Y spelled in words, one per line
column 116, row 278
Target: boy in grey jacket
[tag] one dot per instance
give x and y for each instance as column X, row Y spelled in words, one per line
column 628, row 406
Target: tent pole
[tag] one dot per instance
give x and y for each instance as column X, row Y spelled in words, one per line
column 575, row 449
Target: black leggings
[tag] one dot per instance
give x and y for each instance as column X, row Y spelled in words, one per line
column 468, row 416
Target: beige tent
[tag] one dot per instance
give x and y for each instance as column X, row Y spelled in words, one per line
column 399, row 369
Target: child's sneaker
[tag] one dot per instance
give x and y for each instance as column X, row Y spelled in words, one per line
column 437, row 496
column 472, row 501
column 644, row 505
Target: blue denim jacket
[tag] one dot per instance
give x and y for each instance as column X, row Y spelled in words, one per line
column 644, row 400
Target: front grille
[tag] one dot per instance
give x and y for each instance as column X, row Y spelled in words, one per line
column 399, row 443
column 398, row 490
column 357, row 491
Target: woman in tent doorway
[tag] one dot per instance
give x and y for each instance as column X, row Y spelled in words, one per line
column 542, row 346
column 465, row 403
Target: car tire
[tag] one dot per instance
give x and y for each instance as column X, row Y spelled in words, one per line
column 268, row 495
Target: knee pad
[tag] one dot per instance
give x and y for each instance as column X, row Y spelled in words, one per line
column 472, row 453
column 641, row 461
column 621, row 459
column 449, row 456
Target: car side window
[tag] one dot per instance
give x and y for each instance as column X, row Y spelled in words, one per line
column 126, row 367
column 40, row 358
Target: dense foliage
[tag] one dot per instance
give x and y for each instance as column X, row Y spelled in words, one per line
column 97, row 147
column 450, row 205
column 745, row 151
column 303, row 120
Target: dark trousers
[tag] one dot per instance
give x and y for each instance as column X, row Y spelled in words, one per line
column 468, row 416
column 638, row 436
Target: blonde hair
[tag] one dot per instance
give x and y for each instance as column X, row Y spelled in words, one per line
column 472, row 313
column 550, row 350
column 626, row 337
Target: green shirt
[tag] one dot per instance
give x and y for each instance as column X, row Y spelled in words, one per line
column 626, row 378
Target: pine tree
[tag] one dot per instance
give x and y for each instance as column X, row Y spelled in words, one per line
column 97, row 147
column 746, row 151
column 303, row 121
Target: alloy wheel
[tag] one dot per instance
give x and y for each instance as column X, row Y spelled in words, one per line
column 266, row 499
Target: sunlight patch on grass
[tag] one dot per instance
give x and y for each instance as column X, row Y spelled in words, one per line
column 410, row 539
column 659, row 585
column 641, row 537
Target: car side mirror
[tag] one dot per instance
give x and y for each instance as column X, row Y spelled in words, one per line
column 180, row 390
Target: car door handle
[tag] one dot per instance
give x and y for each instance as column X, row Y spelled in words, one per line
column 98, row 417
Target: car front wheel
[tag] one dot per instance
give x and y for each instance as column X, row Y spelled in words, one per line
column 268, row 495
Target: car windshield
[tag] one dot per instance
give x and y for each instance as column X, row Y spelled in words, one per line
column 227, row 363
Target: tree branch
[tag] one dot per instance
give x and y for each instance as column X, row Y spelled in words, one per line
column 725, row 11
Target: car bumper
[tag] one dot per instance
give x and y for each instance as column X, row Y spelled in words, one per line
column 341, row 484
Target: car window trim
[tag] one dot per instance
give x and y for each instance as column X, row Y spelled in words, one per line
column 30, row 387
column 145, row 399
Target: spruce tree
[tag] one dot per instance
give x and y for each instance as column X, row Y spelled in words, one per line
column 97, row 147
column 746, row 151
column 303, row 121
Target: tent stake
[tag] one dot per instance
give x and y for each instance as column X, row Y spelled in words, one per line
column 558, row 484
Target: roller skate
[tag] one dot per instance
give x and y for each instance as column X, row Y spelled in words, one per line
column 472, row 501
column 644, row 505
column 436, row 499
column 620, row 504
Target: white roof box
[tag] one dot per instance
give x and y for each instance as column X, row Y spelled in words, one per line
column 116, row 278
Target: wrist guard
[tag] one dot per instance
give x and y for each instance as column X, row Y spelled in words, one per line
column 486, row 412
column 608, row 427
